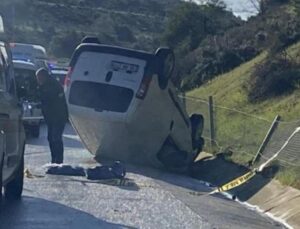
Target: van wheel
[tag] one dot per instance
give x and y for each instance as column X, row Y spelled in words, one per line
column 165, row 66
column 13, row 190
column 35, row 131
column 197, row 123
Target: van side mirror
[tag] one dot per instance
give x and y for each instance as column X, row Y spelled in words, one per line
column 165, row 66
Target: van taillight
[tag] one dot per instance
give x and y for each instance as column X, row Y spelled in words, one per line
column 68, row 77
column 141, row 93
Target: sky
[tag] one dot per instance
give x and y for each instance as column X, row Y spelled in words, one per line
column 242, row 8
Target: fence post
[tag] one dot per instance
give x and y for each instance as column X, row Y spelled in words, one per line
column 266, row 140
column 211, row 122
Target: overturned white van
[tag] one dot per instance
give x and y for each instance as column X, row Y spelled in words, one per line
column 123, row 106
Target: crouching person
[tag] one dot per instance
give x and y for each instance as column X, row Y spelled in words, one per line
column 55, row 111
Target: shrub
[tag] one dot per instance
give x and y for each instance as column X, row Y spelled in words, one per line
column 274, row 77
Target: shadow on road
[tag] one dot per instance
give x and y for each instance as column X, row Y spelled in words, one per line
column 35, row 213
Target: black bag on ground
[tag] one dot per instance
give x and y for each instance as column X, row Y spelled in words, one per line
column 66, row 170
column 115, row 171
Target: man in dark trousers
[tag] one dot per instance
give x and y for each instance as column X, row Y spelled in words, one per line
column 55, row 111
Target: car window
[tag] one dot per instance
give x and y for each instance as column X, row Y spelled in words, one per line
column 25, row 80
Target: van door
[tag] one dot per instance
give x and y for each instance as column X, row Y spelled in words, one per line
column 10, row 123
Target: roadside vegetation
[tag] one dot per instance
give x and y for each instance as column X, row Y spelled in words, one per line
column 252, row 67
column 230, row 90
column 60, row 25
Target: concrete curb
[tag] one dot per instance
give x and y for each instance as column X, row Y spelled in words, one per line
column 279, row 201
column 265, row 194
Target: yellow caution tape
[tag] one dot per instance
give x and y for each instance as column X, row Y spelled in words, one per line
column 236, row 182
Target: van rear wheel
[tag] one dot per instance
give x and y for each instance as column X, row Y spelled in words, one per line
column 197, row 123
column 14, row 188
column 165, row 66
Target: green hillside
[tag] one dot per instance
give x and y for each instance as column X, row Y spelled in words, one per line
column 241, row 125
column 229, row 90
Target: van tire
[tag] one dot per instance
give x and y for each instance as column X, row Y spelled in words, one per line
column 14, row 188
column 163, row 78
column 197, row 123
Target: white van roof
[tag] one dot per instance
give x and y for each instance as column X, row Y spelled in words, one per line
column 28, row 51
column 24, row 65
column 28, row 45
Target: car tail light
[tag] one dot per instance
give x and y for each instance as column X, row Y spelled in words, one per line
column 68, row 77
column 143, row 89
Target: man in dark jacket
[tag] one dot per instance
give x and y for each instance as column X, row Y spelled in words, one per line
column 55, row 112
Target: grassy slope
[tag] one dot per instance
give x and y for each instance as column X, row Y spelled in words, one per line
column 228, row 90
column 241, row 133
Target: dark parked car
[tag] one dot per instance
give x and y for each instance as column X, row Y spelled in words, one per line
column 12, row 136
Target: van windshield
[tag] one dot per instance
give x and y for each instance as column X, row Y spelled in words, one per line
column 101, row 97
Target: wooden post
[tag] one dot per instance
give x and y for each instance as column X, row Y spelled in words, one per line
column 266, row 140
column 211, row 122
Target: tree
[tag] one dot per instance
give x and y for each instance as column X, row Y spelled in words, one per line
column 63, row 45
column 186, row 23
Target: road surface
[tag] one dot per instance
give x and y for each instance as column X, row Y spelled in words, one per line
column 156, row 200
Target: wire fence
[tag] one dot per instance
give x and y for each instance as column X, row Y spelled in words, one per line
column 244, row 134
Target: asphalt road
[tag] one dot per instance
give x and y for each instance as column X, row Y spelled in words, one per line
column 155, row 199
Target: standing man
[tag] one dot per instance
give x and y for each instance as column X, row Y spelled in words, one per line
column 55, row 111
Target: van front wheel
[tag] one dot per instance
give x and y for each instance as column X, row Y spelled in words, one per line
column 197, row 123
column 165, row 66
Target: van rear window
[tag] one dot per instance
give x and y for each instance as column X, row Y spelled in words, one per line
column 101, row 97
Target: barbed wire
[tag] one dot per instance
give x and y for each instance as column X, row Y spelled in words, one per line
column 222, row 148
column 246, row 135
column 192, row 98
